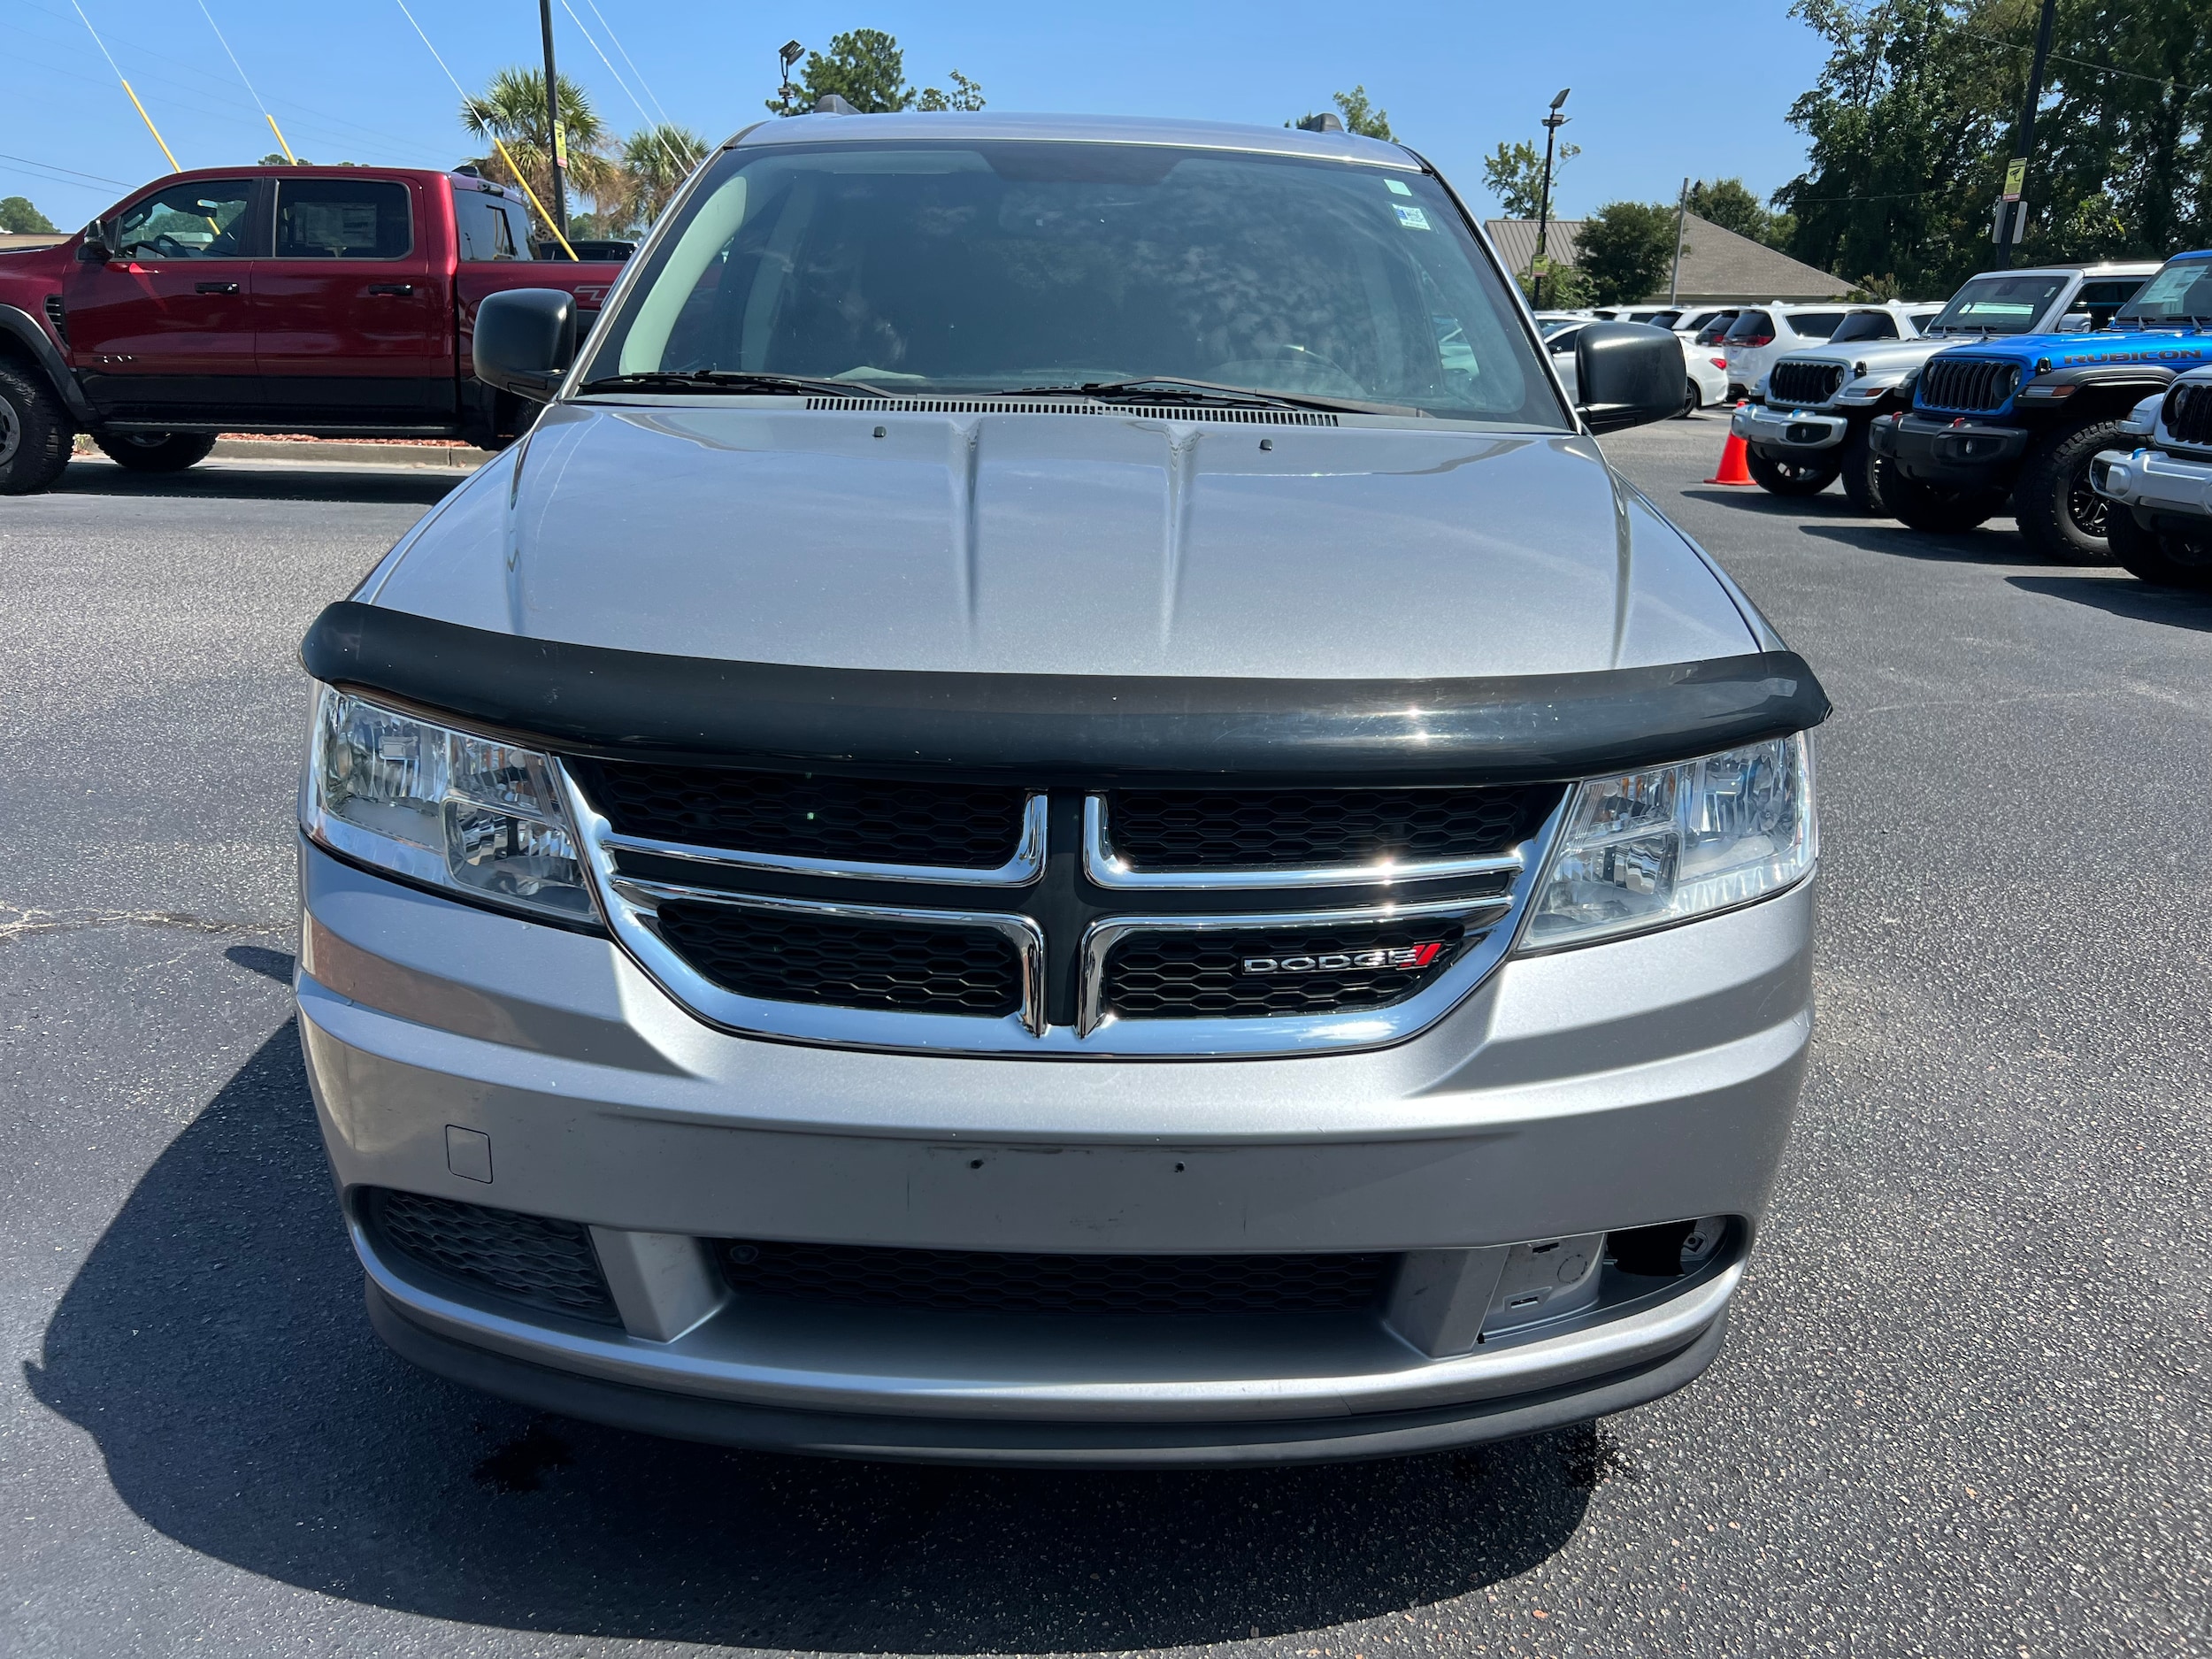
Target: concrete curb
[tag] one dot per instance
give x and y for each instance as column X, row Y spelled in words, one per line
column 340, row 452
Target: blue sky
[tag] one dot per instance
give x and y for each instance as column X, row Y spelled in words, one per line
column 1658, row 93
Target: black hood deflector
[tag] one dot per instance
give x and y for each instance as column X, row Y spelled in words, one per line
column 1063, row 728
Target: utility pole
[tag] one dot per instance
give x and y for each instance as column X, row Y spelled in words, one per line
column 1681, row 218
column 1551, row 124
column 555, row 139
column 2012, row 216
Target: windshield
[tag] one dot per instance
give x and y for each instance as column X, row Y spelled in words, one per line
column 973, row 267
column 2180, row 293
column 1997, row 304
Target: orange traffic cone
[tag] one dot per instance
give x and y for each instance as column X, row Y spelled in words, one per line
column 1732, row 470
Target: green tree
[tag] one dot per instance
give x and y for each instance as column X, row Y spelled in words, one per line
column 1515, row 173
column 654, row 161
column 1556, row 286
column 19, row 218
column 863, row 66
column 512, row 108
column 1361, row 117
column 1731, row 204
column 966, row 95
column 1624, row 250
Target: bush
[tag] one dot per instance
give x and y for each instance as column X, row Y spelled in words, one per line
column 1626, row 250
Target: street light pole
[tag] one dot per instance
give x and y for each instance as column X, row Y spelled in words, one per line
column 2012, row 219
column 556, row 140
column 1551, row 124
column 1681, row 218
column 788, row 55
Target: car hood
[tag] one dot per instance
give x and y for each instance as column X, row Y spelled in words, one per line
column 1881, row 356
column 1078, row 541
column 2177, row 347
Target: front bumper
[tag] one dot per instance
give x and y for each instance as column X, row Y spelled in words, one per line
column 1619, row 1086
column 1788, row 433
column 2151, row 480
column 1962, row 453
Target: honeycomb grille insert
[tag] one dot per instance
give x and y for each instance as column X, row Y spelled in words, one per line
column 1966, row 383
column 787, row 958
column 1803, row 382
column 991, row 1282
column 1188, row 975
column 2188, row 414
column 1222, row 829
column 808, row 815
column 535, row 1260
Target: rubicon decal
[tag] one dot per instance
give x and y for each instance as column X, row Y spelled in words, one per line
column 1410, row 958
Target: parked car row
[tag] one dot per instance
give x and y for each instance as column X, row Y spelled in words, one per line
column 2013, row 394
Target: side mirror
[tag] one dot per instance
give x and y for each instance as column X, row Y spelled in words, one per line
column 95, row 248
column 525, row 340
column 1627, row 375
column 2073, row 323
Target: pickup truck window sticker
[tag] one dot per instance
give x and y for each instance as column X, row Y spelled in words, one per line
column 1413, row 218
column 1398, row 186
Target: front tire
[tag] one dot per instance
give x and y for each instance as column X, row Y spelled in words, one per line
column 35, row 432
column 1862, row 470
column 1937, row 509
column 2169, row 561
column 1790, row 477
column 156, row 451
column 2060, row 516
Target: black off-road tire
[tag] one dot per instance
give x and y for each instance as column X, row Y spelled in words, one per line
column 2168, row 560
column 1937, row 509
column 2060, row 516
column 1789, row 478
column 35, row 431
column 1862, row 470
column 156, row 451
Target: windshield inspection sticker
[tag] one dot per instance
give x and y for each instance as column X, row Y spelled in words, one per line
column 1412, row 217
column 1398, row 186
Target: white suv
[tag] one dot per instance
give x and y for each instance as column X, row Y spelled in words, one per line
column 1763, row 332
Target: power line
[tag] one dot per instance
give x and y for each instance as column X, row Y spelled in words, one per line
column 627, row 59
column 658, row 130
column 94, row 177
column 128, row 92
column 2079, row 63
column 241, row 68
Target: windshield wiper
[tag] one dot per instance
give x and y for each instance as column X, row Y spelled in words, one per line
column 1170, row 388
column 729, row 381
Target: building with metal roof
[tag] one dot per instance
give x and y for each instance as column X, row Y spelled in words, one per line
column 1717, row 266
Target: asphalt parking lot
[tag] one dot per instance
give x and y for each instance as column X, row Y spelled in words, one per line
column 1962, row 1407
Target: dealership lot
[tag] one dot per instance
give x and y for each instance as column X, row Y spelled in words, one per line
column 1960, row 1410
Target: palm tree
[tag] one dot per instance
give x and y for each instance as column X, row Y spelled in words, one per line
column 655, row 161
column 512, row 109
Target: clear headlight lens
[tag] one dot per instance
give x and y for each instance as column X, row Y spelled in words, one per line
column 442, row 807
column 1658, row 847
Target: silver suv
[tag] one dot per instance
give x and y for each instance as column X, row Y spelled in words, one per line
column 1057, row 812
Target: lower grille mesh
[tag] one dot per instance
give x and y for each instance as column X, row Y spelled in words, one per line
column 789, row 958
column 535, row 1260
column 990, row 1281
column 1171, row 975
column 1213, row 829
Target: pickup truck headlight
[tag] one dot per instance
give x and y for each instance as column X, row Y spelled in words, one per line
column 445, row 807
column 1654, row 848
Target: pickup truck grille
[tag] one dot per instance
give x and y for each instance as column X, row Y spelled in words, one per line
column 1802, row 385
column 994, row 1282
column 2187, row 414
column 1969, row 385
column 1217, row 829
column 984, row 917
column 805, row 815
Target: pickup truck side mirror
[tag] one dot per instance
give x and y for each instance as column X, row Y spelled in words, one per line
column 2073, row 323
column 95, row 248
column 526, row 339
column 1627, row 375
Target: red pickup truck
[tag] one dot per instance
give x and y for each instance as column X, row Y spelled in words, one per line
column 334, row 301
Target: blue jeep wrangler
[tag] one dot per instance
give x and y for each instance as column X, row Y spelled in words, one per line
column 2026, row 415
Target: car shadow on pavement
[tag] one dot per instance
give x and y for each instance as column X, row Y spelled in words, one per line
column 2125, row 596
column 282, row 481
column 1830, row 504
column 1988, row 545
column 215, row 1348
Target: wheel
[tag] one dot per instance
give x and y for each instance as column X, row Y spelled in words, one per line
column 1790, row 477
column 155, row 451
column 1862, row 471
column 35, row 432
column 1937, row 509
column 1691, row 403
column 2059, row 516
column 2171, row 561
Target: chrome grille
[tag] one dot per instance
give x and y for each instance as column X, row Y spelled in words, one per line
column 995, row 1282
column 1966, row 384
column 1801, row 385
column 1142, row 932
column 535, row 1260
column 2187, row 413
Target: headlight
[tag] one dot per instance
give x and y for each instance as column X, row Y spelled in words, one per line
column 441, row 807
column 1658, row 847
